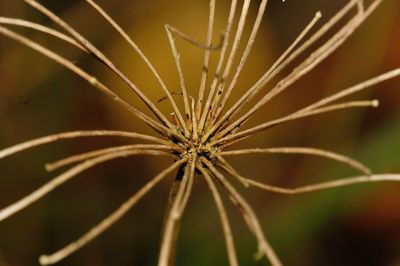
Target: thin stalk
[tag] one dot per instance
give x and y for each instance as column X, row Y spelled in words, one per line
column 86, row 76
column 235, row 137
column 108, row 221
column 327, row 185
column 304, row 150
column 270, row 72
column 351, row 90
column 102, row 58
column 142, row 55
column 41, row 28
column 181, row 81
column 228, row 235
column 189, row 187
column 229, row 63
column 217, row 107
column 197, row 43
column 91, row 154
column 220, row 60
column 64, row 177
column 310, row 41
column 222, row 163
column 264, row 248
column 172, row 221
column 315, row 58
column 207, row 54
column 77, row 134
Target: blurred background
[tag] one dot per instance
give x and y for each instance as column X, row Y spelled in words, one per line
column 357, row 225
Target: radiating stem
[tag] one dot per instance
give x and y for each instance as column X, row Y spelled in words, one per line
column 86, row 76
column 229, row 63
column 62, row 178
column 304, row 150
column 102, row 58
column 108, row 221
column 217, row 106
column 171, row 220
column 307, row 65
column 264, row 248
column 76, row 134
column 234, row 137
column 41, row 28
column 327, row 185
column 91, row 154
column 230, row 245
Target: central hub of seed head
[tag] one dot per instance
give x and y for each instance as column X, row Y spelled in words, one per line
column 197, row 149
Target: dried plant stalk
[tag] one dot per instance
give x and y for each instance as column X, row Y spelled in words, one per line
column 198, row 140
column 109, row 221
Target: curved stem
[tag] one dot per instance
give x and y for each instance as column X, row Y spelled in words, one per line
column 102, row 58
column 327, row 185
column 172, row 221
column 217, row 106
column 86, row 76
column 41, row 28
column 107, row 222
column 303, row 150
column 264, row 248
column 76, row 134
column 230, row 244
column 142, row 55
column 91, row 154
column 307, row 65
column 235, row 137
column 61, row 179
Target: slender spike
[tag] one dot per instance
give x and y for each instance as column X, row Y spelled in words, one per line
column 175, row 120
column 181, row 81
column 301, row 70
column 361, row 86
column 221, row 59
column 294, row 116
column 195, row 42
column 360, row 6
column 230, row 244
column 310, row 41
column 318, row 186
column 172, row 223
column 189, row 187
column 264, row 248
column 194, row 121
column 207, row 54
column 61, row 179
column 88, row 155
column 217, row 106
column 315, row 58
column 108, row 221
column 41, row 28
column 327, row 185
column 76, row 134
column 141, row 54
column 270, row 72
column 322, row 31
column 102, row 58
column 304, row 150
column 228, row 65
column 91, row 79
column 222, row 163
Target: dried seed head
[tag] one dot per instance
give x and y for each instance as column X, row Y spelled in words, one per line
column 197, row 136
